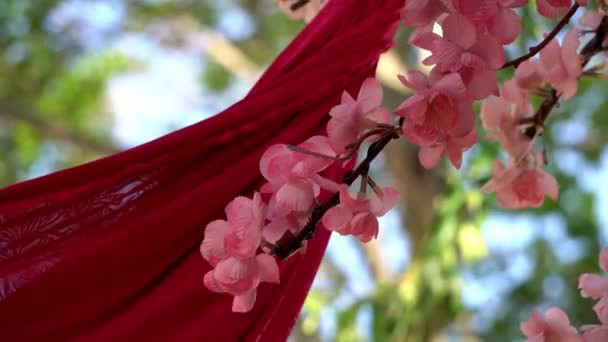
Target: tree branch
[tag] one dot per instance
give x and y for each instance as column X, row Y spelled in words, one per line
column 537, row 48
column 593, row 47
column 54, row 131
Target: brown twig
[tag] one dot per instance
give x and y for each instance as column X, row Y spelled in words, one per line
column 594, row 46
column 537, row 48
column 352, row 148
column 299, row 4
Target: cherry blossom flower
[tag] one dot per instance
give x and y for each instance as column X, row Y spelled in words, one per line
column 562, row 65
column 241, row 278
column 438, row 117
column 497, row 16
column 595, row 333
column 293, row 176
column 240, row 235
column 462, row 45
column 424, row 12
column 521, row 186
column 502, row 119
column 593, row 285
column 351, row 117
column 554, row 326
column 528, row 78
column 358, row 216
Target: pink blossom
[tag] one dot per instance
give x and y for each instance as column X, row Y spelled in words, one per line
column 293, row 176
column 528, row 78
column 358, row 216
column 562, row 66
column 502, row 119
column 438, row 117
column 554, row 327
column 240, row 235
column 497, row 16
column 595, row 333
column 453, row 147
column 241, row 278
column 424, row 12
column 521, row 186
column 593, row 286
column 462, row 45
column 352, row 118
column 601, row 309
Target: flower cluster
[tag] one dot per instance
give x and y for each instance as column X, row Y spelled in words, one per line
column 465, row 57
column 439, row 118
column 239, row 248
column 555, row 324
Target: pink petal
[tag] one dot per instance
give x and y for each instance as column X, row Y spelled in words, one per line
column 430, row 156
column 479, row 83
column 550, row 55
column 592, row 286
column 415, row 80
column 591, row 19
column 506, row 26
column 459, row 30
column 296, row 196
column 370, row 95
column 490, row 50
column 452, row 85
column 365, row 226
column 337, row 218
column 342, row 133
column 324, row 183
column 445, row 55
column 603, row 259
column 546, row 9
column 244, row 303
column 313, row 164
column 534, row 325
column 414, row 108
column 380, row 206
column 212, row 247
column 494, row 112
column 276, row 163
column 601, row 310
column 268, row 268
column 454, row 153
column 351, row 201
column 423, row 38
column 275, row 230
column 232, row 270
column 549, row 185
column 211, row 284
column 572, row 60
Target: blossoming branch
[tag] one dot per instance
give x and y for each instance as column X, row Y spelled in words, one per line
column 438, row 117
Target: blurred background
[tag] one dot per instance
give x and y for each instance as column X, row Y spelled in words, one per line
column 82, row 79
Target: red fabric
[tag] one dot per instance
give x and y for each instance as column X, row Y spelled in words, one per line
column 109, row 250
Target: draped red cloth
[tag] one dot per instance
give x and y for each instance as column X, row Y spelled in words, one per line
column 109, row 250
